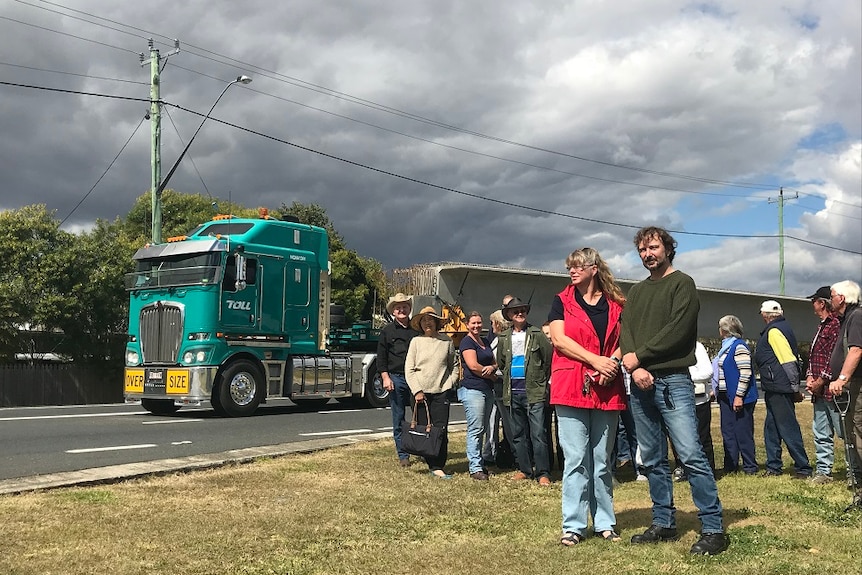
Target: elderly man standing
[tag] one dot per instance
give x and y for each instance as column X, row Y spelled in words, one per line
column 659, row 331
column 846, row 370
column 825, row 424
column 391, row 354
column 524, row 358
column 776, row 359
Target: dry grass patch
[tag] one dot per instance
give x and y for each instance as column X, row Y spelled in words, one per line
column 353, row 510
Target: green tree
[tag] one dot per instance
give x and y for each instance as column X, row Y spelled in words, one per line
column 31, row 241
column 358, row 283
column 181, row 213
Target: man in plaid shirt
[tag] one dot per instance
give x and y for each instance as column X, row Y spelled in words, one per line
column 825, row 424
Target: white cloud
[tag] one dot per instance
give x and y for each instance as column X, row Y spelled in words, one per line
column 726, row 91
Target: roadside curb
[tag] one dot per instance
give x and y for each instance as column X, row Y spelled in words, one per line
column 115, row 473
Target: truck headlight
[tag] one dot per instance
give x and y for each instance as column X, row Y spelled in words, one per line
column 194, row 356
column 132, row 358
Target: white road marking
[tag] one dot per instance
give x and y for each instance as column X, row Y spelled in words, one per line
column 184, row 442
column 114, row 448
column 78, row 415
column 162, row 421
column 337, row 411
column 342, row 432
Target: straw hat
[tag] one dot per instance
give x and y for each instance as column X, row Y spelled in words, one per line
column 396, row 299
column 429, row 311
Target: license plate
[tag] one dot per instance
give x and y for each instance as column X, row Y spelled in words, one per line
column 134, row 381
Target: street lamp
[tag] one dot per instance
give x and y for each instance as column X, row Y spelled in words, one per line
column 157, row 194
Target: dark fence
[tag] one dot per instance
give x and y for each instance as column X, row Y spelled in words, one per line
column 60, row 384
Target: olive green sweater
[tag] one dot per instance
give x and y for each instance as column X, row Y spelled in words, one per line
column 659, row 322
column 431, row 365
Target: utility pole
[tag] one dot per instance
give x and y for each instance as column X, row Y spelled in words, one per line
column 156, row 135
column 780, row 201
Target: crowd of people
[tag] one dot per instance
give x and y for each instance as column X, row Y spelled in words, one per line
column 624, row 380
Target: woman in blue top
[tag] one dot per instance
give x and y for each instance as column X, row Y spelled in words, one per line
column 476, row 391
column 735, row 387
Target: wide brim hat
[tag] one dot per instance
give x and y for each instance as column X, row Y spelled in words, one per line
column 771, row 306
column 824, row 292
column 429, row 311
column 396, row 299
column 514, row 303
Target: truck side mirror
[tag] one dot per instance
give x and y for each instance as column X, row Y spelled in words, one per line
column 240, row 271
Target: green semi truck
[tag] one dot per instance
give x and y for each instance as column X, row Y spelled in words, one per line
column 238, row 312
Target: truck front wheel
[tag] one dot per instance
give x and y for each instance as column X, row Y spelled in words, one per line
column 240, row 389
column 375, row 394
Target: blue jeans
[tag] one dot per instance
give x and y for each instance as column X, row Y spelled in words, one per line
column 781, row 425
column 587, row 437
column 399, row 399
column 669, row 405
column 477, row 405
column 825, row 427
column 528, row 429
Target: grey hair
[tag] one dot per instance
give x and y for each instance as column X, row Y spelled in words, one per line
column 849, row 289
column 731, row 325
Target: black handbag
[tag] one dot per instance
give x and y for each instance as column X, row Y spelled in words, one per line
column 424, row 441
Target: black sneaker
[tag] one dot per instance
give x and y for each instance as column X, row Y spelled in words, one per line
column 679, row 475
column 655, row 534
column 711, row 544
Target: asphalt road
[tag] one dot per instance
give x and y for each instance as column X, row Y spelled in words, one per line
column 53, row 446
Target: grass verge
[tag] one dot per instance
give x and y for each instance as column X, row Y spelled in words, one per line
column 353, row 510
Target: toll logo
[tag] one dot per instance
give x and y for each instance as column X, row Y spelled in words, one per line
column 240, row 305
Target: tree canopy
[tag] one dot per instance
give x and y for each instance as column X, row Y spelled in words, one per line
column 70, row 286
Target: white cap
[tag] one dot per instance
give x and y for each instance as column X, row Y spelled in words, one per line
column 771, row 306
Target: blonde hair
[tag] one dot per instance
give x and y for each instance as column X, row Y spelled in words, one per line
column 497, row 318
column 604, row 278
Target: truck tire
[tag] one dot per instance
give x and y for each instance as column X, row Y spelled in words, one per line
column 375, row 395
column 160, row 406
column 240, row 389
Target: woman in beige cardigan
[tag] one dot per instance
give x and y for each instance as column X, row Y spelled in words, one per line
column 431, row 370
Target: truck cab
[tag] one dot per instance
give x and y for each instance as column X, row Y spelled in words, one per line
column 219, row 315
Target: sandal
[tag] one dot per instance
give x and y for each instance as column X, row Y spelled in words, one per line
column 571, row 539
column 609, row 535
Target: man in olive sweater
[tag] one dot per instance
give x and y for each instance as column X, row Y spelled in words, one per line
column 659, row 332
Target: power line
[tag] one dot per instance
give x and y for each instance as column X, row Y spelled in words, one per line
column 221, row 58
column 69, row 35
column 495, row 200
column 90, row 191
column 423, row 182
column 73, row 74
column 76, row 92
column 200, row 177
column 190, row 48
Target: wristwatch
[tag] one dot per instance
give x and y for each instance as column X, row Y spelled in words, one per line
column 842, row 377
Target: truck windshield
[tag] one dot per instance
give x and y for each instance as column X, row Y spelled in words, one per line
column 177, row 270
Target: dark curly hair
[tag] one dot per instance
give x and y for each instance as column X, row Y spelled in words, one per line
column 650, row 232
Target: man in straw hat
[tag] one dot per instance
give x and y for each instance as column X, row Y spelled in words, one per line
column 391, row 353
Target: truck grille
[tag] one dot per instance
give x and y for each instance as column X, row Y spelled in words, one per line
column 161, row 330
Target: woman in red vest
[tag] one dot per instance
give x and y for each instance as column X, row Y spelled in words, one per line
column 588, row 392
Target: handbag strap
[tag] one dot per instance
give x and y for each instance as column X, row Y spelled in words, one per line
column 413, row 421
